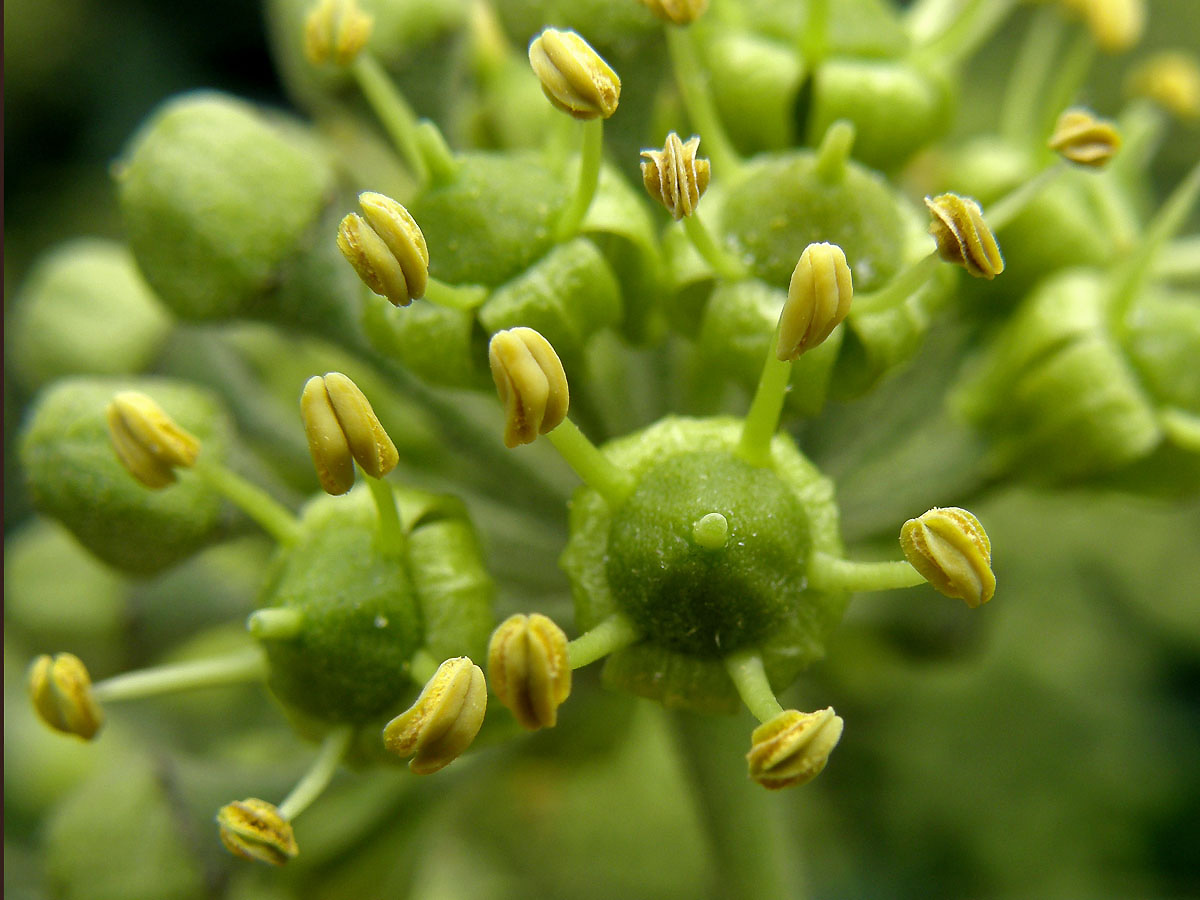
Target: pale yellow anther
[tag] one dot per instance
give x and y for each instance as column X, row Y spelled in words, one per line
column 148, row 442
column 819, row 296
column 574, row 77
column 448, row 714
column 793, row 747
column 254, row 829
column 386, row 249
column 61, row 690
column 952, row 552
column 342, row 428
column 962, row 235
column 1116, row 25
column 1081, row 137
column 677, row 12
column 675, row 177
column 528, row 669
column 336, row 30
column 531, row 383
column 1171, row 79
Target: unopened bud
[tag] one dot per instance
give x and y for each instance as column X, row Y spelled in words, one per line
column 529, row 670
column 819, row 296
column 675, row 177
column 342, row 429
column 574, row 77
column 1171, row 79
column 531, row 383
column 677, row 12
column 952, row 552
column 147, row 441
column 61, row 690
column 1082, row 138
column 436, row 729
column 386, row 249
column 336, row 30
column 793, row 747
column 963, row 237
column 255, row 829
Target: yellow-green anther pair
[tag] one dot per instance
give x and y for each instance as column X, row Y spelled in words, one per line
column 793, row 747
column 1082, row 138
column 531, row 383
column 1116, row 25
column 963, row 237
column 61, row 690
column 677, row 12
column 336, row 30
column 529, row 670
column 574, row 77
column 952, row 552
column 342, row 429
column 819, row 296
column 254, row 829
column 147, row 441
column 675, row 177
column 1171, row 79
column 448, row 714
column 386, row 249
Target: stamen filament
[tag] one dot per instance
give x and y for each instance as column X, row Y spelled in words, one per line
column 1021, row 113
column 271, row 515
column 1071, row 70
column 814, row 36
column 611, row 483
column 317, row 778
column 716, row 256
column 237, row 668
column 614, row 633
column 902, row 286
column 750, row 678
column 971, row 26
column 394, row 112
column 454, row 296
column 590, row 157
column 391, row 537
column 1012, row 204
column 275, row 624
column 692, row 79
column 763, row 418
column 829, row 573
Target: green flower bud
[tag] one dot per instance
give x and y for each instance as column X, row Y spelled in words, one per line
column 75, row 477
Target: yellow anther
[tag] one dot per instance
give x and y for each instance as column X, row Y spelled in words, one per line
column 793, row 747
column 963, row 237
column 336, row 30
column 342, row 429
column 386, row 249
column 818, row 300
column 436, row 729
column 1116, row 25
column 677, row 12
column 528, row 669
column 531, row 383
column 255, row 829
column 61, row 690
column 1171, row 79
column 574, row 77
column 147, row 441
column 675, row 177
column 1083, row 138
column 952, row 552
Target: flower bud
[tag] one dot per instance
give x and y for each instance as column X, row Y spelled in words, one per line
column 62, row 695
column 675, row 177
column 1082, row 138
column 254, row 829
column 793, row 747
column 818, row 300
column 336, row 30
column 531, row 383
column 148, row 442
column 529, row 670
column 342, row 428
column 1171, row 79
column 963, row 237
column 574, row 77
column 677, row 12
column 387, row 249
column 952, row 552
column 436, row 729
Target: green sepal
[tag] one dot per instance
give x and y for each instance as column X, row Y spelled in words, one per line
column 1163, row 343
column 85, row 310
column 74, row 475
column 689, row 680
column 454, row 589
column 755, row 83
column 439, row 345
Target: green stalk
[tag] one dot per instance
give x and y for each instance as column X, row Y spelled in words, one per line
column 692, row 79
column 611, row 483
column 590, row 158
column 317, row 778
column 828, row 573
column 272, row 516
column 237, row 668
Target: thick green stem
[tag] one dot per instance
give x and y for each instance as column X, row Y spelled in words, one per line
column 692, row 79
column 317, row 778
column 722, row 262
column 750, row 678
column 237, row 668
column 1012, row 204
column 611, row 483
column 392, row 541
column 611, row 635
column 590, row 158
column 272, row 516
column 828, row 573
column 1020, row 116
column 396, row 116
column 763, row 418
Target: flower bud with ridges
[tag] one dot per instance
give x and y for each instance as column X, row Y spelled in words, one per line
column 574, row 77
column 952, row 552
column 528, row 669
column 61, row 690
column 793, row 747
column 819, row 296
column 254, row 829
column 962, row 235
column 675, row 177
column 531, row 383
column 387, row 249
column 148, row 442
column 448, row 714
column 1082, row 138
